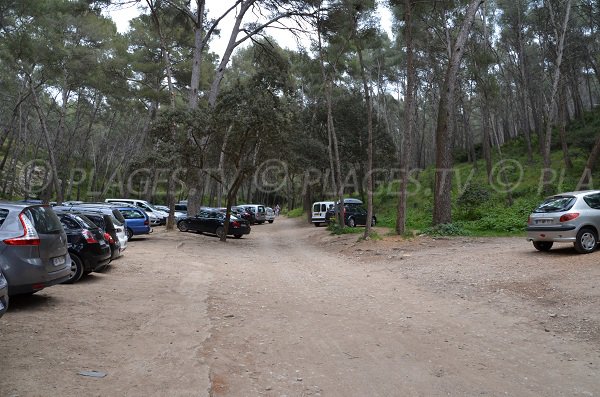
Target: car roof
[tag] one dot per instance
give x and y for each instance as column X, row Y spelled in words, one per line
column 576, row 193
column 20, row 205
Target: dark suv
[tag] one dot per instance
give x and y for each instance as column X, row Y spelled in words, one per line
column 33, row 248
column 354, row 214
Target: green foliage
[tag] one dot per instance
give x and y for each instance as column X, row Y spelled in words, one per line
column 295, row 213
column 446, row 229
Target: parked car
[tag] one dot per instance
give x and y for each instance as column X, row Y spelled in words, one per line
column 572, row 217
column 354, row 213
column 319, row 212
column 87, row 245
column 105, row 223
column 137, row 221
column 212, row 221
column 243, row 213
column 3, row 294
column 33, row 248
column 181, row 207
column 105, row 209
column 257, row 210
column 178, row 213
column 269, row 214
column 155, row 215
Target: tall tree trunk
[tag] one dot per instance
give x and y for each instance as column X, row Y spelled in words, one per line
column 442, row 205
column 46, row 134
column 409, row 110
column 551, row 105
column 369, row 170
column 562, row 127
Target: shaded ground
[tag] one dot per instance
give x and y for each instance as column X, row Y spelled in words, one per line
column 291, row 310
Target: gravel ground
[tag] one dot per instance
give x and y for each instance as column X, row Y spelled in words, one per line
column 292, row 311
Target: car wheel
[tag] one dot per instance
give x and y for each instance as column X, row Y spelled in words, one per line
column 129, row 234
column 351, row 222
column 586, row 241
column 373, row 221
column 220, row 232
column 271, row 221
column 76, row 270
column 317, row 224
column 237, row 235
column 543, row 245
column 182, row 226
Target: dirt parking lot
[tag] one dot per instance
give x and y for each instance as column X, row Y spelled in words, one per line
column 293, row 311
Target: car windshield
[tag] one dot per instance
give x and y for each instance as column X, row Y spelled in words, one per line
column 87, row 223
column 556, row 204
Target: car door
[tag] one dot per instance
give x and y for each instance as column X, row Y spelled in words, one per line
column 195, row 223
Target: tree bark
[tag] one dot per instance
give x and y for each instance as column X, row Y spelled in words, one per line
column 409, row 110
column 442, row 205
column 551, row 105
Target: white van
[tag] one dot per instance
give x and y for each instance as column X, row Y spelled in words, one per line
column 258, row 210
column 319, row 210
column 157, row 217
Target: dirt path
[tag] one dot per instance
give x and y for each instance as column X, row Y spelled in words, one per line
column 293, row 311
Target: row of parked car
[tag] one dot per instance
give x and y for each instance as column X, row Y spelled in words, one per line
column 43, row 245
column 212, row 220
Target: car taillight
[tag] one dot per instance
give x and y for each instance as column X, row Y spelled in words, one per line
column 29, row 237
column 569, row 217
column 235, row 224
column 108, row 238
column 89, row 237
column 146, row 223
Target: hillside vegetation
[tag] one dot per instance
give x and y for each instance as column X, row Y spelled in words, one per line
column 499, row 207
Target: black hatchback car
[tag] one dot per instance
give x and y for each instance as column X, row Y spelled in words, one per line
column 87, row 246
column 212, row 221
column 105, row 223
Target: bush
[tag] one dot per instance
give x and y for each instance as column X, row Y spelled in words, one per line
column 446, row 229
column 295, row 213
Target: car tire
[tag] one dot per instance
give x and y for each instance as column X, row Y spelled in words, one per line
column 220, row 232
column 129, row 234
column 373, row 221
column 76, row 269
column 351, row 222
column 543, row 246
column 182, row 226
column 271, row 221
column 237, row 235
column 317, row 224
column 586, row 241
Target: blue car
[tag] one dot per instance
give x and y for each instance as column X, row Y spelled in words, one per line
column 136, row 221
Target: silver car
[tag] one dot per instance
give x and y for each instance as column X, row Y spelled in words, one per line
column 572, row 217
column 33, row 248
column 3, row 294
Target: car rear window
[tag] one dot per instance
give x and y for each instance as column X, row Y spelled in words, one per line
column 556, row 204
column 117, row 214
column 3, row 215
column 98, row 220
column 86, row 222
column 69, row 223
column 44, row 219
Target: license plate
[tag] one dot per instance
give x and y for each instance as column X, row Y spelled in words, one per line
column 58, row 261
column 543, row 221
